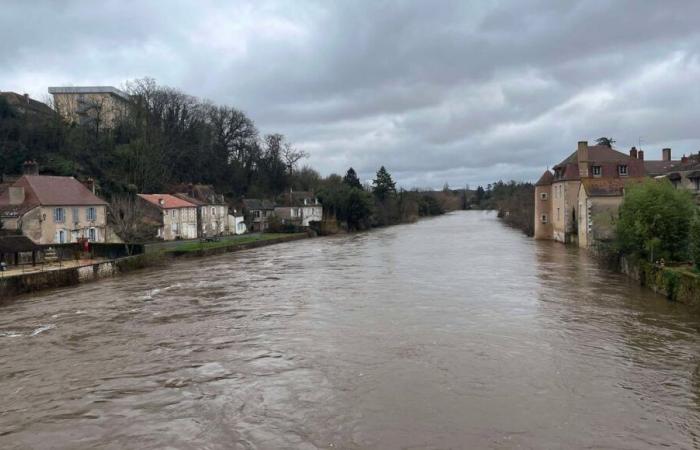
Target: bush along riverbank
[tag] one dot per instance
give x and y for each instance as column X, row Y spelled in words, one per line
column 657, row 241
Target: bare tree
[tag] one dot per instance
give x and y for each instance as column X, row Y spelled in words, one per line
column 128, row 219
column 292, row 156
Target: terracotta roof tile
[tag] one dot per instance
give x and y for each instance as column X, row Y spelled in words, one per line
column 51, row 191
column 166, row 201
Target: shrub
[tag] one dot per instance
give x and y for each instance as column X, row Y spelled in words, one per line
column 655, row 222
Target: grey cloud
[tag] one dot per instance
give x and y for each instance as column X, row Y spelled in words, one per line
column 447, row 91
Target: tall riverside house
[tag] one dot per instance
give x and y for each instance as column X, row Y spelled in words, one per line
column 90, row 105
column 212, row 210
column 53, row 210
column 176, row 218
column 581, row 196
column 543, row 206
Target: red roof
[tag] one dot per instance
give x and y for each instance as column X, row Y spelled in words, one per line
column 52, row 191
column 546, row 179
column 166, row 201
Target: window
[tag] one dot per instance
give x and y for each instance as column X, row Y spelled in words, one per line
column 91, row 214
column 597, row 171
column 543, row 196
column 213, row 211
column 61, row 236
column 544, row 218
column 622, row 170
column 257, row 214
column 59, row 215
column 92, row 234
column 173, row 213
column 76, row 215
column 696, row 183
column 558, row 216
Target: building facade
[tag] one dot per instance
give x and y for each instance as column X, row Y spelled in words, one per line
column 53, row 210
column 101, row 106
column 299, row 208
column 259, row 212
column 212, row 210
column 175, row 218
column 589, row 183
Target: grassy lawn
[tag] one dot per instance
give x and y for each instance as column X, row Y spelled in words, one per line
column 228, row 242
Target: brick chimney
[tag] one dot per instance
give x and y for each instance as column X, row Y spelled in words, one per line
column 90, row 184
column 582, row 157
column 640, row 155
column 684, row 159
column 30, row 168
column 633, row 153
column 666, row 154
column 16, row 195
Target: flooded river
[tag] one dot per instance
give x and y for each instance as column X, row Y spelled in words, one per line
column 454, row 332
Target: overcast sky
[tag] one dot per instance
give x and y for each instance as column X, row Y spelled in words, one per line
column 437, row 91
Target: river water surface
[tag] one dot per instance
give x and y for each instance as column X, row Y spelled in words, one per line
column 454, row 332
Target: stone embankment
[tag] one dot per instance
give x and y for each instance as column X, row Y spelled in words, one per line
column 680, row 284
column 24, row 283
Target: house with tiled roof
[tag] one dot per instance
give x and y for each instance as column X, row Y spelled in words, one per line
column 258, row 213
column 299, row 208
column 174, row 217
column 561, row 204
column 212, row 210
column 24, row 104
column 53, row 210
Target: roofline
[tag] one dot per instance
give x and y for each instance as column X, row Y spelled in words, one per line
column 88, row 90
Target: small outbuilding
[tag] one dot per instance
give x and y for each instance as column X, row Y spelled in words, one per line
column 18, row 249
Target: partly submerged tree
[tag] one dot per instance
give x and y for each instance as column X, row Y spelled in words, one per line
column 606, row 141
column 384, row 185
column 655, row 222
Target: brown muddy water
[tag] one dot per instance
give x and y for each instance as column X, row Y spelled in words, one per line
column 454, row 332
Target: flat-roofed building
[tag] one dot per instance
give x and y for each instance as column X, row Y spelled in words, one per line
column 101, row 106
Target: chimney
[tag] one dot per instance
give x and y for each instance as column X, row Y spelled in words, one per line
column 16, row 195
column 30, row 168
column 640, row 155
column 190, row 190
column 666, row 154
column 26, row 98
column 633, row 152
column 582, row 157
column 90, row 184
column 684, row 159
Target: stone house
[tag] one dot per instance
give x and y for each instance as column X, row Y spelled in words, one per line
column 557, row 193
column 102, row 106
column 599, row 205
column 683, row 173
column 53, row 210
column 299, row 208
column 212, row 210
column 236, row 223
column 175, row 218
column 258, row 212
column 23, row 104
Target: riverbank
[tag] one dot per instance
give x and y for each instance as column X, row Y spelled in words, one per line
column 25, row 283
column 677, row 283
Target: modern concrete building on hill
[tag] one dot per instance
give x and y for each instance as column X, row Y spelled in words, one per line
column 101, row 106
